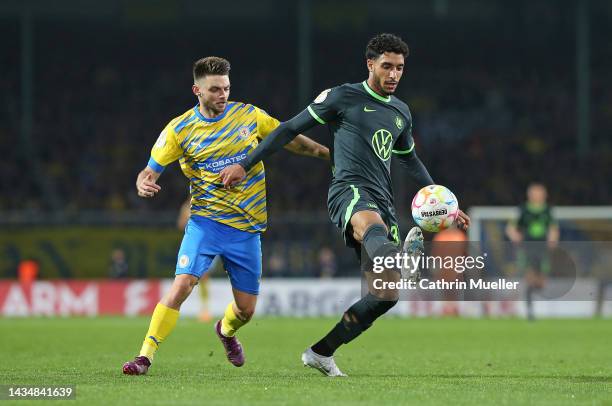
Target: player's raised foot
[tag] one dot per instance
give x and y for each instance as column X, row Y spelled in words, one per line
column 233, row 348
column 326, row 365
column 413, row 247
column 139, row 366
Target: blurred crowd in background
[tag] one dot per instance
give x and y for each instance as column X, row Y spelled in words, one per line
column 493, row 108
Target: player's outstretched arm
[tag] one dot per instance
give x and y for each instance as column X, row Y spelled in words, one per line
column 552, row 237
column 513, row 233
column 416, row 170
column 281, row 136
column 146, row 182
column 302, row 145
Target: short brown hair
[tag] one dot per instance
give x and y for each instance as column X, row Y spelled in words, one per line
column 211, row 65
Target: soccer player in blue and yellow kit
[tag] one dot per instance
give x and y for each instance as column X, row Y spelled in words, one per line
column 224, row 222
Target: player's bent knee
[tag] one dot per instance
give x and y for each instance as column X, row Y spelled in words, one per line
column 362, row 221
column 185, row 283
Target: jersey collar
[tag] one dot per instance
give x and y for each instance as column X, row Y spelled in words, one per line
column 374, row 94
column 196, row 109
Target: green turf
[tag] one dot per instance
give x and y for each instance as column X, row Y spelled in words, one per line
column 398, row 361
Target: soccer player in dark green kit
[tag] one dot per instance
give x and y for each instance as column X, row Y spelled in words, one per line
column 535, row 226
column 369, row 126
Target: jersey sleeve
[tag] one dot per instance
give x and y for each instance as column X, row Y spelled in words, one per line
column 166, row 149
column 405, row 142
column 327, row 105
column 265, row 123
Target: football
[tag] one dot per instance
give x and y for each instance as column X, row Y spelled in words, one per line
column 434, row 208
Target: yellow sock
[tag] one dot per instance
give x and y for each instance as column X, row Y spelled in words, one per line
column 162, row 323
column 230, row 323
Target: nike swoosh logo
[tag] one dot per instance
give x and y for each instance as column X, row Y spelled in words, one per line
column 367, row 110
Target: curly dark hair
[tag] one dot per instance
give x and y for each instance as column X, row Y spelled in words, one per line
column 382, row 43
column 211, row 65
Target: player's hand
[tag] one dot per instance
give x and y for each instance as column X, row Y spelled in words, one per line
column 324, row 154
column 517, row 239
column 463, row 220
column 514, row 235
column 146, row 186
column 232, row 175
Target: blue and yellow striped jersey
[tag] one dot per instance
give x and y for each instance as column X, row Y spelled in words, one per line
column 205, row 146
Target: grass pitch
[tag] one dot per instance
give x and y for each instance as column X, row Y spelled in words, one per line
column 398, row 361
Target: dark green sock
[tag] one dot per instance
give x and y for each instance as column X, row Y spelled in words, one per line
column 358, row 318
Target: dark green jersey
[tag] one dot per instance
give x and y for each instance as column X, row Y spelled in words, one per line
column 367, row 130
column 534, row 222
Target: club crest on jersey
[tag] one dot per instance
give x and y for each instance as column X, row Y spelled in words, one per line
column 244, row 133
column 183, row 261
column 161, row 140
column 382, row 143
column 322, row 96
column 399, row 122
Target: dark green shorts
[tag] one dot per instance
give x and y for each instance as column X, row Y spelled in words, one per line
column 535, row 257
column 346, row 199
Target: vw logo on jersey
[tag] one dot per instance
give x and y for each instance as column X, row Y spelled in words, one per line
column 382, row 142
